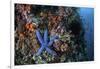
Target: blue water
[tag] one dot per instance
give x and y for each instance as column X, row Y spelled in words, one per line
column 87, row 16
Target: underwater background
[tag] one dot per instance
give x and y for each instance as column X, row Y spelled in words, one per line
column 53, row 34
column 87, row 15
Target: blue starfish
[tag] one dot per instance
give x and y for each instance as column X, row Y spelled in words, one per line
column 45, row 43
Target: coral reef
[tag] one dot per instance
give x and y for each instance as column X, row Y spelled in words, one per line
column 48, row 34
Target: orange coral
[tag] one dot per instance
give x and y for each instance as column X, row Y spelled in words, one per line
column 30, row 26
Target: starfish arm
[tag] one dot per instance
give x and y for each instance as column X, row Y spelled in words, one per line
column 52, row 40
column 39, row 36
column 50, row 51
column 40, row 51
column 46, row 36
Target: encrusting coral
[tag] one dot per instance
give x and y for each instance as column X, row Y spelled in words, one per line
column 48, row 34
